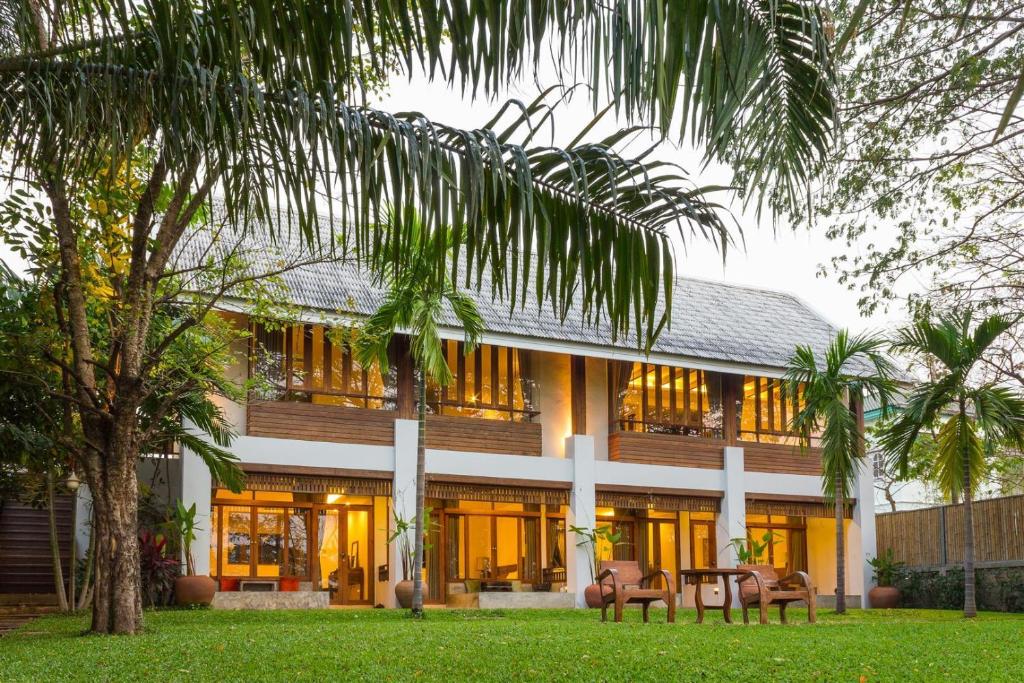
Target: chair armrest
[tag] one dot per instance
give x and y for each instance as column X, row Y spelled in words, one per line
column 612, row 574
column 799, row 578
column 762, row 587
column 646, row 581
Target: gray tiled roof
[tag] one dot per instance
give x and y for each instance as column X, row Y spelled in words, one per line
column 712, row 321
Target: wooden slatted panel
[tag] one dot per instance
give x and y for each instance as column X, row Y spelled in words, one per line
column 913, row 536
column 666, row 449
column 781, row 459
column 477, row 435
column 918, row 537
column 25, row 561
column 315, row 422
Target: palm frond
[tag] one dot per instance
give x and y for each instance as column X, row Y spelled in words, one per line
column 263, row 93
column 958, row 439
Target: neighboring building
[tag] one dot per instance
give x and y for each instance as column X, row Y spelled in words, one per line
column 547, row 426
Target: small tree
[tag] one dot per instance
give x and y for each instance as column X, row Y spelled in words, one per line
column 417, row 297
column 984, row 414
column 854, row 367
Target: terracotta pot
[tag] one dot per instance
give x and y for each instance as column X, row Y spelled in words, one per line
column 592, row 595
column 194, row 590
column 884, row 597
column 288, row 584
column 403, row 593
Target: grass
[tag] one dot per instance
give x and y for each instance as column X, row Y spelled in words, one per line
column 203, row 645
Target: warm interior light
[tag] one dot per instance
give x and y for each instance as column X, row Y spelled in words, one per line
column 333, row 498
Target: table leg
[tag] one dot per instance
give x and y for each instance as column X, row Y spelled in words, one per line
column 727, row 603
column 699, row 602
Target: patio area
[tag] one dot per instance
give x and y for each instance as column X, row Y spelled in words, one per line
column 365, row 644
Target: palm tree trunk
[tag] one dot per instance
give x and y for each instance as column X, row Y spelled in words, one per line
column 58, row 570
column 840, row 549
column 421, row 456
column 970, row 608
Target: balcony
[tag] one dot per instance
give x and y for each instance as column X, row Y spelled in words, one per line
column 675, row 450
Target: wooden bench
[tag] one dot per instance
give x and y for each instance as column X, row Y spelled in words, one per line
column 763, row 587
column 622, row 583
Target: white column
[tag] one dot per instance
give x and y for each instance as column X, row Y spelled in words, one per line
column 196, row 487
column 582, row 508
column 732, row 522
column 404, row 498
column 860, row 541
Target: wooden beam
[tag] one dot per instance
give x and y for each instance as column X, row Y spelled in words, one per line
column 578, row 387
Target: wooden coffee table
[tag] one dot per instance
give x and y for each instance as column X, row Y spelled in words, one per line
column 695, row 576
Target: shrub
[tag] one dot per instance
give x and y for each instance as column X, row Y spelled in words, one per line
column 998, row 589
column 158, row 571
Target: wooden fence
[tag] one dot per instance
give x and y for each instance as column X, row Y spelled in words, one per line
column 935, row 536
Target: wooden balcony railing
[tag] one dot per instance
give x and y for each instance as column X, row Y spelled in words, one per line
column 666, row 449
column 319, row 422
column 478, row 435
column 781, row 458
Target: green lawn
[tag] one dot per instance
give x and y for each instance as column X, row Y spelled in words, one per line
column 355, row 645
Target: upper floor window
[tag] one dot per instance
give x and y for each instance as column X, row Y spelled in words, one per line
column 491, row 382
column 667, row 400
column 316, row 364
column 767, row 411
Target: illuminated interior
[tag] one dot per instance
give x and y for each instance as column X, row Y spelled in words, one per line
column 669, row 400
column 703, row 544
column 499, row 541
column 786, row 548
column 767, row 411
column 314, row 363
column 491, row 382
column 324, row 539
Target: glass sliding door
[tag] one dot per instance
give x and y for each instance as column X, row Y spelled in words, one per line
column 344, row 554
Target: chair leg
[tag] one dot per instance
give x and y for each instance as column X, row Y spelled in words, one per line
column 618, row 608
column 746, row 614
column 647, row 612
column 604, row 611
column 671, row 609
column 782, row 612
column 764, row 610
column 812, row 607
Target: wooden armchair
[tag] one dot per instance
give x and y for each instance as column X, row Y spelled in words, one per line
column 763, row 587
column 621, row 582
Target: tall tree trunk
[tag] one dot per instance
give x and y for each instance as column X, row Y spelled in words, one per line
column 840, row 549
column 421, row 456
column 970, row 608
column 58, row 570
column 117, row 595
column 73, row 569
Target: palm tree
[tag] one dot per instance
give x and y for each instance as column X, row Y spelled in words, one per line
column 417, row 299
column 854, row 367
column 263, row 102
column 983, row 413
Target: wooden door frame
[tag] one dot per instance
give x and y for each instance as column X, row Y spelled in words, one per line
column 343, row 546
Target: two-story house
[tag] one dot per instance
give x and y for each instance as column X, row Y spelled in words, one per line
column 547, row 426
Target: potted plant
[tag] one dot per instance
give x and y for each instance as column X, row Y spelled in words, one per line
column 189, row 589
column 885, row 595
column 592, row 538
column 748, row 550
column 401, row 535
